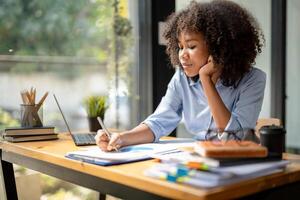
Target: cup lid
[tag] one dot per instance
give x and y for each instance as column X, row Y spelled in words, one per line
column 273, row 129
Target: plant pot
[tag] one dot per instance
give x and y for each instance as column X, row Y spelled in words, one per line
column 94, row 124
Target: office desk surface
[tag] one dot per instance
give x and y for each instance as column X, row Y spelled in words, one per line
column 131, row 174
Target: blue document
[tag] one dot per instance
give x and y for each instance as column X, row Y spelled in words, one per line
column 103, row 162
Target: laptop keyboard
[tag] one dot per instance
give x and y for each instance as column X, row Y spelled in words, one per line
column 84, row 138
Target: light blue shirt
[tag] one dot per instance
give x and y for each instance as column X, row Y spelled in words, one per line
column 185, row 100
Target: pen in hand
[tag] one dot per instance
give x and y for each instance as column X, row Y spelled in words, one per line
column 108, row 134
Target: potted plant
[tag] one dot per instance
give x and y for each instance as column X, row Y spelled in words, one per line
column 95, row 106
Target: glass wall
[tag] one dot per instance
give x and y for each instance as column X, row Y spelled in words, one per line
column 261, row 10
column 292, row 74
column 73, row 49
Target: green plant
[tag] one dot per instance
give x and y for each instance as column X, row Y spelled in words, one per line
column 95, row 105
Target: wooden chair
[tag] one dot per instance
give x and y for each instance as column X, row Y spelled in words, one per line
column 266, row 122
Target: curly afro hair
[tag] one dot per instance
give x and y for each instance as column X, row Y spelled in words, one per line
column 232, row 34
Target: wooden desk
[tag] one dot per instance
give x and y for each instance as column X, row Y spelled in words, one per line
column 127, row 181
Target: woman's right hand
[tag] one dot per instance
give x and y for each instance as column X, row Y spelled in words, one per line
column 106, row 144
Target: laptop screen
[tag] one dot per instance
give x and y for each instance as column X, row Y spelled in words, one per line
column 61, row 112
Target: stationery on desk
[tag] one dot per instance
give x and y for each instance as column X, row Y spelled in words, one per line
column 128, row 154
column 184, row 167
column 170, row 150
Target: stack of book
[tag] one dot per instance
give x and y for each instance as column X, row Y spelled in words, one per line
column 200, row 175
column 21, row 134
column 216, row 163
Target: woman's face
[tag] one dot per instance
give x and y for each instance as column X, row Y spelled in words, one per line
column 193, row 52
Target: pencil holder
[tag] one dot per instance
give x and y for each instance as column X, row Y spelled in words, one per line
column 31, row 115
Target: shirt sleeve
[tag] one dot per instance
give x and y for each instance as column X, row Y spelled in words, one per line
column 169, row 111
column 248, row 105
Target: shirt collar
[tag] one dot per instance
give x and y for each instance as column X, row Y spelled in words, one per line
column 219, row 83
column 193, row 83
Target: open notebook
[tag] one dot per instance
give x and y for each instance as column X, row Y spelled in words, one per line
column 128, row 154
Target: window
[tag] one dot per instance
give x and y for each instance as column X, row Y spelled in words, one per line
column 70, row 48
column 73, row 49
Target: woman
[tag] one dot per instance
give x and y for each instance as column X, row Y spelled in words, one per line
column 213, row 46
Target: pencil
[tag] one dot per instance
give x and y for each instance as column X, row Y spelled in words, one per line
column 108, row 134
column 42, row 101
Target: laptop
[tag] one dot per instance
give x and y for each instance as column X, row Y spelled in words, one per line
column 80, row 139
